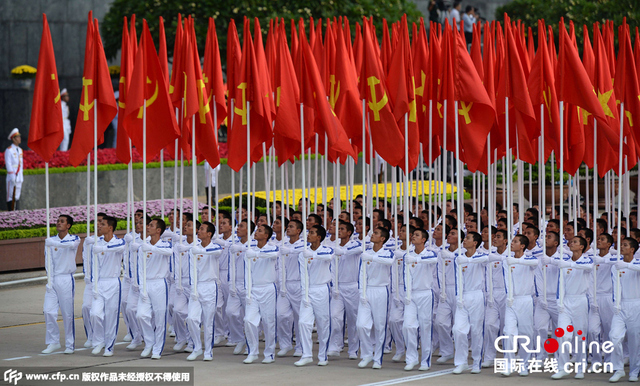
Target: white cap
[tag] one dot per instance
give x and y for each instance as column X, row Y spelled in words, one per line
column 64, row 91
column 13, row 133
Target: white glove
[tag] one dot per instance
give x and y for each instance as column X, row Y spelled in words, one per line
column 11, row 177
column 490, row 303
column 49, row 287
column 511, row 260
column 283, row 292
column 398, row 302
column 621, row 265
column 285, row 250
column 198, row 250
column 144, row 297
column 248, row 300
column 193, row 297
column 308, row 254
column 335, row 294
column 237, row 248
column 128, row 238
column 407, row 301
column 179, row 290
column 560, row 309
column 462, row 259
column 443, row 298
column 564, row 264
column 146, row 247
column 617, row 309
column 252, row 253
column 460, row 303
column 411, row 259
column 307, row 303
column 233, row 293
column 49, row 243
column 510, row 302
column 99, row 248
column 363, row 301
column 339, row 251
column 367, row 256
column 90, row 240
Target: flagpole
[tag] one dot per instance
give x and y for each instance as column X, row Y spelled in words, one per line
column 95, row 186
column 179, row 221
column 162, row 182
column 406, row 174
column 443, row 293
column 619, row 222
column 194, row 186
column 315, row 183
column 364, row 207
column 509, row 192
column 561, row 202
column 144, row 195
column 325, row 172
column 586, row 189
column 89, row 194
column 47, row 249
column 175, row 184
column 215, row 133
column 304, row 206
column 594, row 242
column 543, row 198
column 249, row 212
column 459, row 196
column 431, row 222
column 267, row 179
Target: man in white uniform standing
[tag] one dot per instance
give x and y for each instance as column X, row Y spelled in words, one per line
column 105, row 308
column 66, row 123
column 15, row 165
column 60, row 263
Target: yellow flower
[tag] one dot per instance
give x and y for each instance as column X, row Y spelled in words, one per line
column 114, row 70
column 23, row 72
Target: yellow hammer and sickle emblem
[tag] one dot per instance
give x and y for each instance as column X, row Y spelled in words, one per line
column 464, row 111
column 243, row 111
column 335, row 91
column 439, row 108
column 420, row 90
column 121, row 104
column 628, row 114
column 57, row 98
column 149, row 101
column 375, row 105
column 86, row 107
column 204, row 105
column 278, row 96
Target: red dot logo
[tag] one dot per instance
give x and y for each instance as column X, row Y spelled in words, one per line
column 551, row 345
column 579, row 332
column 559, row 332
column 570, row 328
column 584, row 338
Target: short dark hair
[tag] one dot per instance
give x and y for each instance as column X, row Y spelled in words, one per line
column 588, row 233
column 250, row 224
column 418, row 221
column 111, row 221
column 68, row 219
column 298, row 224
column 476, row 237
column 160, row 224
column 188, row 216
column 320, row 231
column 386, row 223
column 602, row 223
column 523, row 240
column 583, row 242
column 503, row 232
column 268, row 229
column 633, row 243
column 225, row 214
column 296, row 212
column 535, row 229
column 316, row 218
column 608, row 237
column 556, row 235
column 555, row 221
column 348, row 225
column 286, row 221
column 385, row 233
column 635, row 232
column 140, row 211
column 366, row 222
column 210, row 227
column 101, row 214
column 380, row 213
column 424, row 234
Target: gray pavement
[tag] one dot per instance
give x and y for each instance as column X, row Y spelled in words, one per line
column 22, row 333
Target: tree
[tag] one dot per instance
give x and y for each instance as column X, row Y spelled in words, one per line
column 581, row 12
column 224, row 10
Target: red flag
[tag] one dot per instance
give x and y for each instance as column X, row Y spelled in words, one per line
column 387, row 138
column 45, row 129
column 400, row 81
column 474, row 106
column 385, row 51
column 344, row 94
column 253, row 89
column 162, row 50
column 234, row 53
column 263, row 77
column 542, row 90
column 421, row 69
column 189, row 92
column 287, row 123
column 204, row 129
column 148, row 88
column 97, row 93
column 212, row 75
column 476, row 51
column 177, row 69
column 123, row 148
column 133, row 36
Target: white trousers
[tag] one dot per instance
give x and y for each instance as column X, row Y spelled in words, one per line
column 418, row 315
column 180, row 312
column 222, row 323
column 600, row 325
column 152, row 315
column 318, row 311
column 105, row 313
column 576, row 313
column 396, row 318
column 261, row 307
column 518, row 321
column 542, row 317
column 87, row 299
column 444, row 321
column 235, row 313
column 202, row 312
column 435, row 341
column 171, row 297
column 132, row 314
column 288, row 316
column 60, row 296
column 372, row 323
column 125, row 284
column 469, row 319
column 626, row 323
column 10, row 185
column 344, row 308
column 494, row 316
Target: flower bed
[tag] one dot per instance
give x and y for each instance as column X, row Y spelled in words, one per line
column 60, row 159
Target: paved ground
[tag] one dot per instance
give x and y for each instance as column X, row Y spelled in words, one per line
column 22, row 333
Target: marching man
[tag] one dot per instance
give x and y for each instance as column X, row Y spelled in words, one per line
column 60, row 263
column 204, row 291
column 374, row 281
column 419, row 274
column 344, row 304
column 105, row 309
column 134, row 239
column 315, row 277
column 496, row 296
column 182, row 282
column 290, row 290
column 446, row 311
column 87, row 270
column 153, row 268
column 469, row 316
column 627, row 307
column 15, row 164
column 260, row 287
